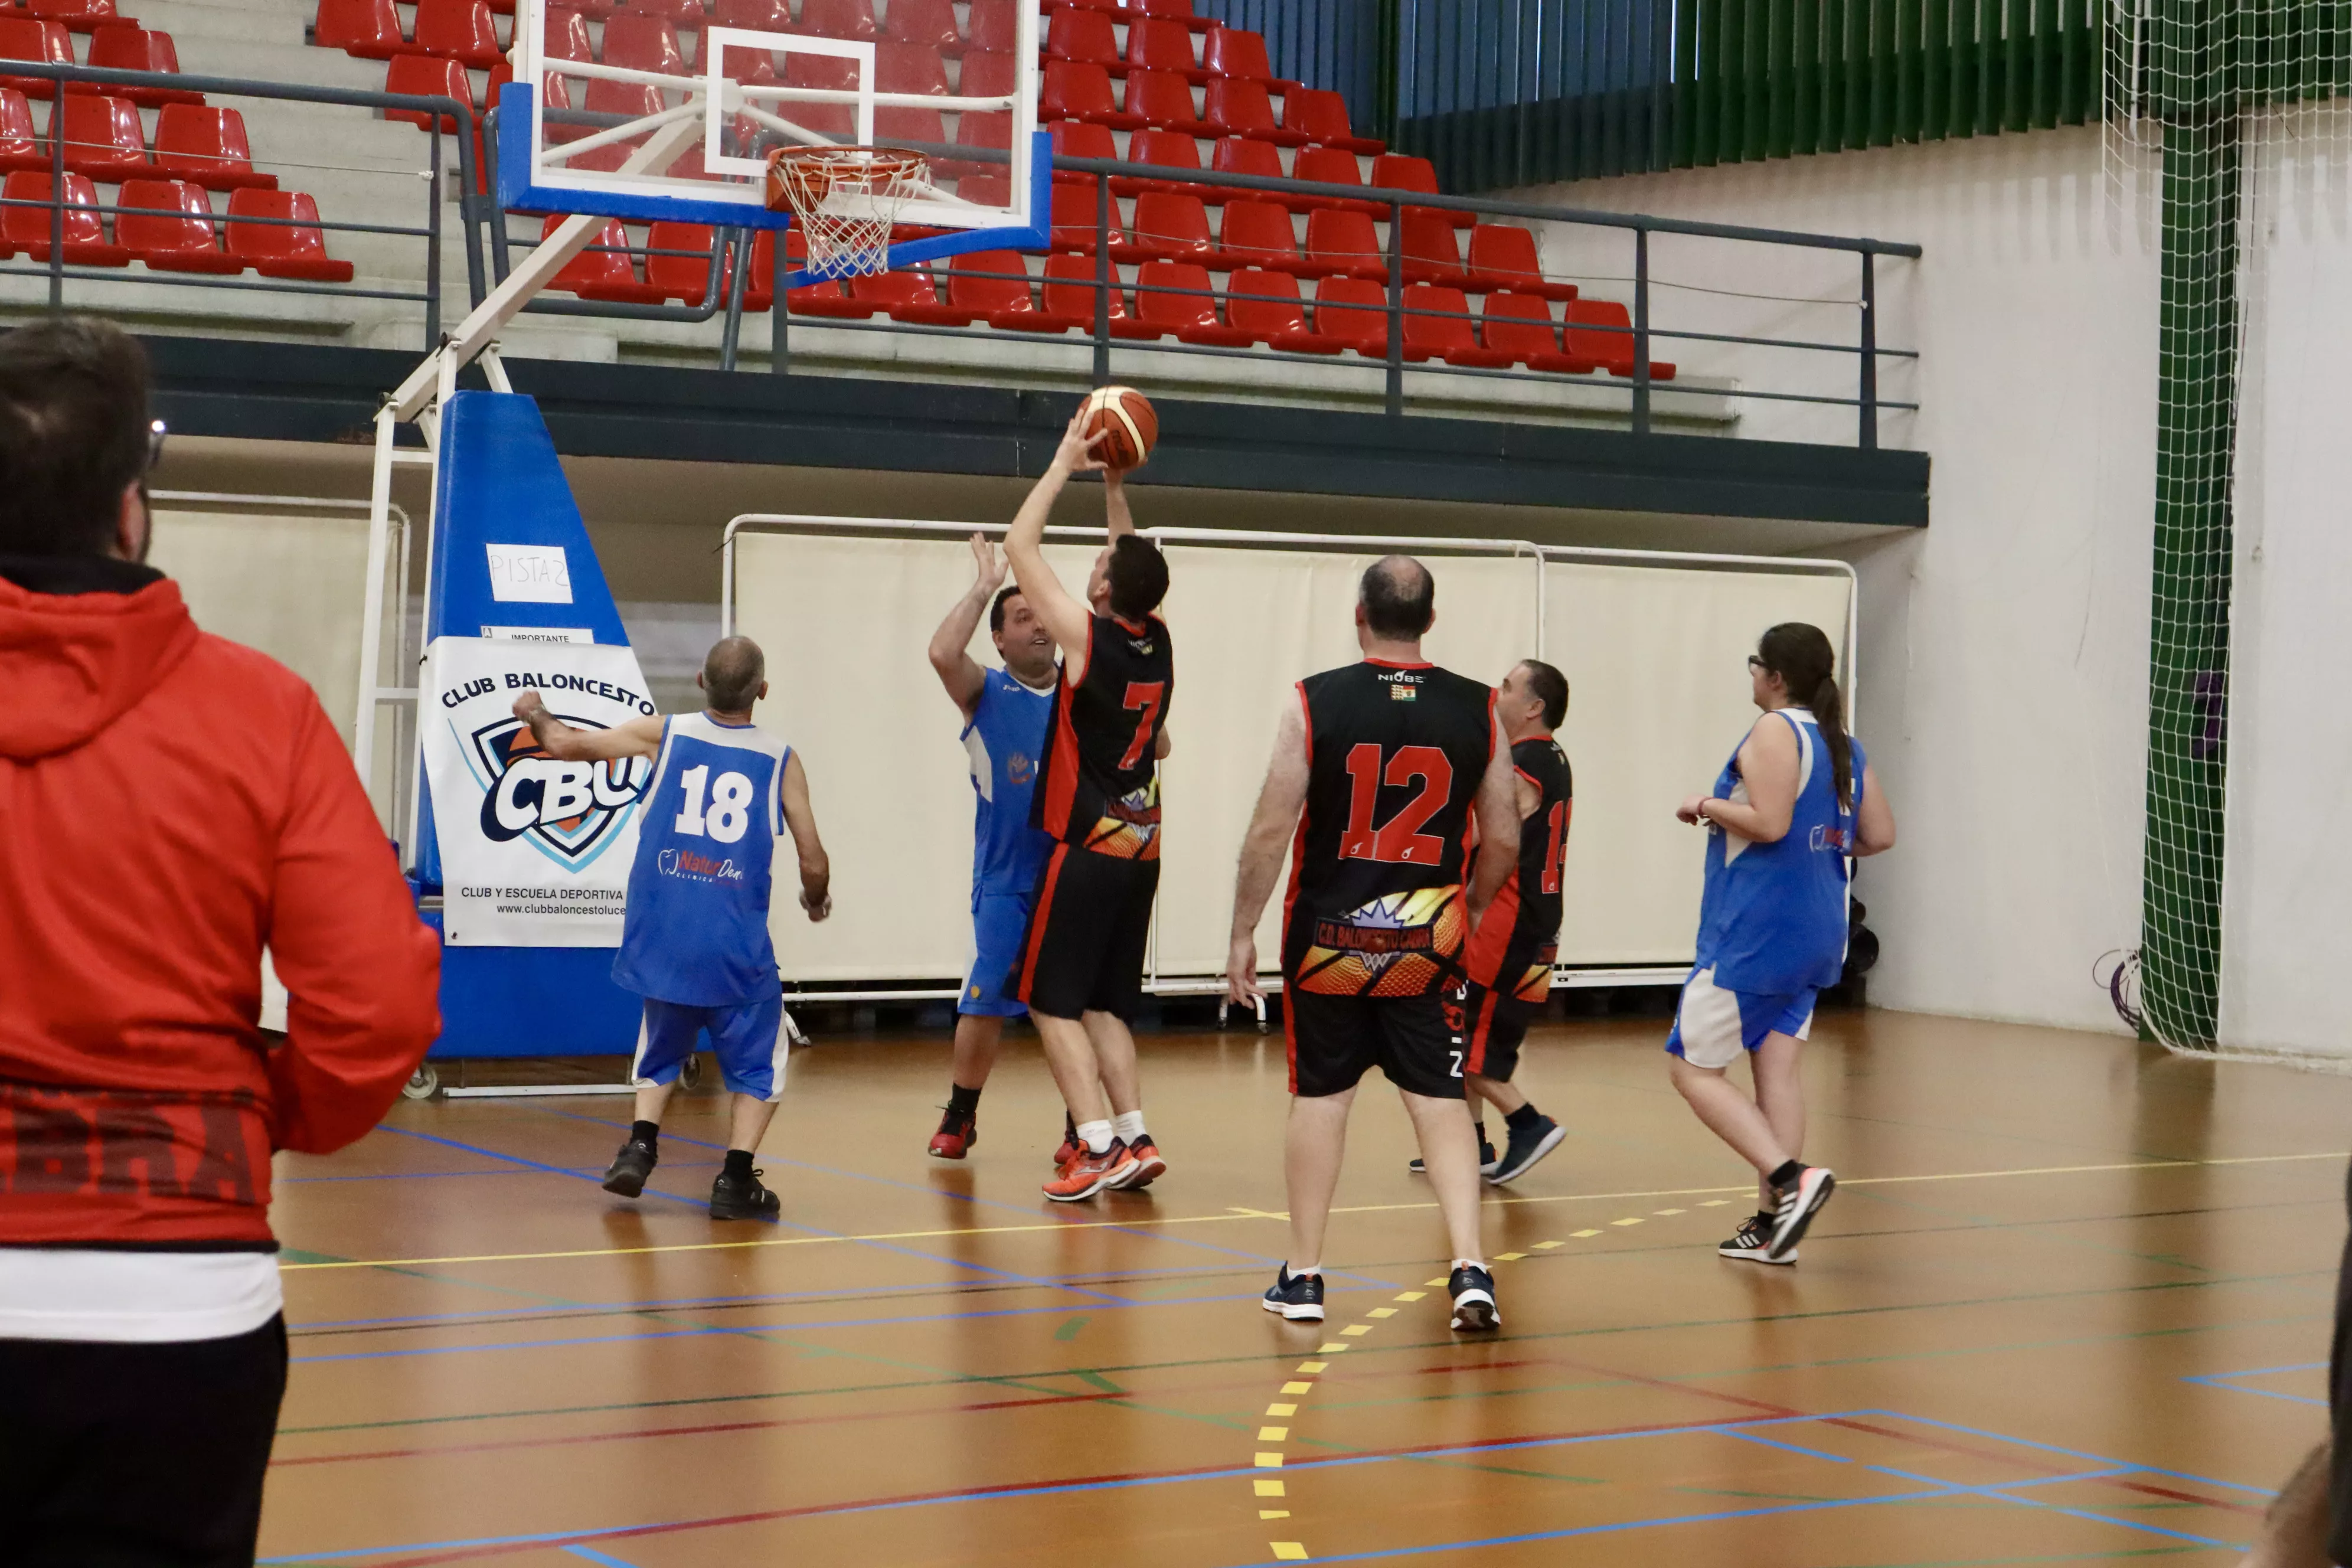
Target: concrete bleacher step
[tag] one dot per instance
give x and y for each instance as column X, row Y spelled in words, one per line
column 188, row 20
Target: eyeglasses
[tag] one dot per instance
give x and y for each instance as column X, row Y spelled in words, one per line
column 155, row 434
column 1755, row 663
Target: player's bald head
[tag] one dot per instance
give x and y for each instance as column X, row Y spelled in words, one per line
column 1399, row 597
column 732, row 673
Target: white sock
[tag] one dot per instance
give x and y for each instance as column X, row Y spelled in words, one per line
column 1128, row 1124
column 1096, row 1136
column 1467, row 1263
column 1312, row 1272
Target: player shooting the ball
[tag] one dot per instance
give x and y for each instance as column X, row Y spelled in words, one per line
column 1098, row 798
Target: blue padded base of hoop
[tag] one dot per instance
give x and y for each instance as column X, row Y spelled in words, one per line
column 517, row 194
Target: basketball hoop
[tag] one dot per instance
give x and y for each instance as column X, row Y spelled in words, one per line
column 846, row 199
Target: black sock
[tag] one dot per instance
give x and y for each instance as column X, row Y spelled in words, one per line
column 645, row 1132
column 1524, row 1118
column 739, row 1164
column 1786, row 1176
column 1069, row 1127
column 961, row 1100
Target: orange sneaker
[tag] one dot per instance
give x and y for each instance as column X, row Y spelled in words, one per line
column 1088, row 1173
column 1071, row 1148
column 955, row 1137
column 1148, row 1164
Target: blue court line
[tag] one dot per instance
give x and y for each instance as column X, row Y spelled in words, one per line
column 2054, row 1449
column 386, row 1176
column 593, row 1555
column 2228, row 1381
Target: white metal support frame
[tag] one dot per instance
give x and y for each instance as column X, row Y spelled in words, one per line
column 1155, row 984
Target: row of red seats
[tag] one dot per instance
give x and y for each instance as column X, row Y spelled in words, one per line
column 81, row 15
column 113, row 45
column 1157, row 43
column 103, row 137
column 371, row 30
column 1167, row 299
column 174, row 229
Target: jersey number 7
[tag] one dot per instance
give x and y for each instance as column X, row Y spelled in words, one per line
column 1400, row 838
column 1145, row 695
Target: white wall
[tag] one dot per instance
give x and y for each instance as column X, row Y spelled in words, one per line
column 2005, row 646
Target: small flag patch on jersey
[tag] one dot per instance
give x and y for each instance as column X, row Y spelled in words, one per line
column 1404, row 693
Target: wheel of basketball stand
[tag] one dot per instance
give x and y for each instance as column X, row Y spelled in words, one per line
column 423, row 1084
column 690, row 1075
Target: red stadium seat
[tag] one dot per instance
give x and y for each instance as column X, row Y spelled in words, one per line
column 1332, row 166
column 1237, row 53
column 177, row 233
column 1450, row 335
column 684, row 279
column 427, row 76
column 992, row 189
column 1354, row 311
column 838, row 19
column 993, row 26
column 1070, row 289
column 755, row 16
column 988, row 73
column 988, row 132
column 834, row 72
column 1259, row 160
column 1402, row 172
column 743, row 131
column 1261, row 233
column 680, row 12
column 1345, row 243
column 1086, row 36
column 910, row 296
column 567, row 37
column 368, row 28
column 1169, row 226
column 26, row 229
column 1076, row 139
column 644, row 43
column 606, row 270
column 24, row 38
column 18, row 149
column 1266, row 305
column 1502, row 255
column 1243, row 109
column 635, row 101
column 1004, row 302
column 1190, row 314
column 1164, row 99
column 1431, row 255
column 929, row 23
column 1160, row 44
column 1322, row 116
column 208, row 146
column 103, row 139
column 1165, row 150
column 1179, row 10
column 913, row 69
column 1073, row 89
column 458, row 30
column 1077, row 219
column 1521, row 326
column 295, row 247
column 79, row 15
column 127, row 47
column 1602, row 331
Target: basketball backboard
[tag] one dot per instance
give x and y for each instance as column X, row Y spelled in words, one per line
column 641, row 115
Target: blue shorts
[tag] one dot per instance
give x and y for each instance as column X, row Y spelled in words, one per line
column 748, row 1039
column 1000, row 921
column 1713, row 1025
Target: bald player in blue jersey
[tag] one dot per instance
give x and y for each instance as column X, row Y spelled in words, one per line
column 1005, row 712
column 694, row 941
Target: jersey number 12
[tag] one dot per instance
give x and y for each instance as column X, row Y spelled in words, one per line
column 730, row 806
column 1400, row 838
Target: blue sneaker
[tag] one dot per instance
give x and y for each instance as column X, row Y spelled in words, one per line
column 1298, row 1297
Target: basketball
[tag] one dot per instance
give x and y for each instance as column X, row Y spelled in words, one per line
column 1133, row 424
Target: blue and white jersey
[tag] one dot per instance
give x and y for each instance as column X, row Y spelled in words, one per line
column 1006, row 743
column 695, row 931
column 1773, row 917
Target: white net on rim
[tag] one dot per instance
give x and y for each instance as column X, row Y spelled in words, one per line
column 847, row 200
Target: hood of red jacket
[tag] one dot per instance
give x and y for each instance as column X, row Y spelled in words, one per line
column 72, row 663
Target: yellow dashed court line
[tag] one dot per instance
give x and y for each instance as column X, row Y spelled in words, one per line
column 1624, row 1222
column 1278, row 1408
column 1288, row 1552
column 1274, row 1434
column 1580, row 1235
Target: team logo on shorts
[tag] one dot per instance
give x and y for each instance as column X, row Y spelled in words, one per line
column 1401, row 944
column 570, row 812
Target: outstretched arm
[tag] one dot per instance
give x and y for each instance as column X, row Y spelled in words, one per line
column 1279, row 804
column 1117, row 516
column 950, row 651
column 640, row 737
column 1496, row 808
column 817, row 870
column 1067, row 618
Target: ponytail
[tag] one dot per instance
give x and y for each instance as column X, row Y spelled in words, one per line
column 1800, row 655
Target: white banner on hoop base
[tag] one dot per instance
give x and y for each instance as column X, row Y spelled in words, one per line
column 534, row 852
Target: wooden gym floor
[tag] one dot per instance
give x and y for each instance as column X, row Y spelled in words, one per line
column 2066, row 1308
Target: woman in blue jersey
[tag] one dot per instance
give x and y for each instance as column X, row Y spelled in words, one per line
column 1790, row 811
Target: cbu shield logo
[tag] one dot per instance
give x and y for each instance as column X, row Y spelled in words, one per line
column 572, row 812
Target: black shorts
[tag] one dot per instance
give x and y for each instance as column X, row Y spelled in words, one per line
column 1335, row 1040
column 138, row 1453
column 1088, row 935
column 1490, row 1027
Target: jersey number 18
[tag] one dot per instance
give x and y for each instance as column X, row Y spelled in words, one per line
column 730, row 806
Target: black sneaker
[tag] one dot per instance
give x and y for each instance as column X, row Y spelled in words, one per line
column 1800, row 1200
column 1486, row 1160
column 742, row 1197
column 1473, row 1289
column 1752, row 1242
column 1524, row 1150
column 626, row 1175
column 1298, row 1297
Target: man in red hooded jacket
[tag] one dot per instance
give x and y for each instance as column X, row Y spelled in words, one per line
column 170, row 802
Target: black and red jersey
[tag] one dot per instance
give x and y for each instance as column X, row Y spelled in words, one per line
column 1395, row 753
column 1517, row 942
column 1100, row 786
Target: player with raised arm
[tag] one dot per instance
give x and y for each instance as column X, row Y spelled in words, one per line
column 1790, row 810
column 1098, row 799
column 694, row 942
column 1005, row 713
column 1379, row 769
